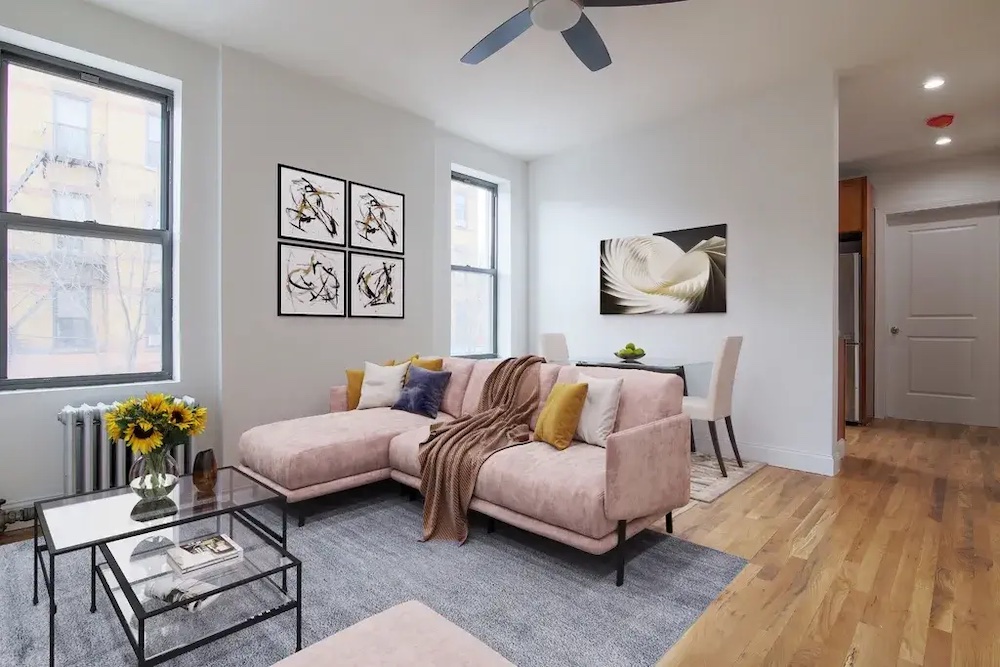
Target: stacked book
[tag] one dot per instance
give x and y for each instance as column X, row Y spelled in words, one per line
column 203, row 553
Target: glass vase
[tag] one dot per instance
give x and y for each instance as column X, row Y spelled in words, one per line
column 153, row 475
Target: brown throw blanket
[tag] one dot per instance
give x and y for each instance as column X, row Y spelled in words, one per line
column 451, row 457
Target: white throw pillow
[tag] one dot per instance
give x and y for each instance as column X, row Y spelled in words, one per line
column 382, row 385
column 600, row 410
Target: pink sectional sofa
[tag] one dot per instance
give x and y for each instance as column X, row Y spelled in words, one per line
column 586, row 496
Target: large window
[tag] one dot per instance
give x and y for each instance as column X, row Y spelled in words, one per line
column 85, row 226
column 473, row 267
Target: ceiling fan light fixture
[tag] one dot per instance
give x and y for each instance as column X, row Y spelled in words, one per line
column 555, row 15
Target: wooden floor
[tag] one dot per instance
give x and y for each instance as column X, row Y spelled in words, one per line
column 889, row 564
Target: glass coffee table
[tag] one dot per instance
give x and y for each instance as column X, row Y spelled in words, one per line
column 133, row 540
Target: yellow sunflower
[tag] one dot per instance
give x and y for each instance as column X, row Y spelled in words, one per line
column 114, row 432
column 198, row 421
column 155, row 403
column 143, row 438
column 180, row 415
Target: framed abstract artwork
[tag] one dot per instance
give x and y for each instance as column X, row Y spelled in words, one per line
column 377, row 286
column 311, row 281
column 378, row 219
column 676, row 272
column 311, row 207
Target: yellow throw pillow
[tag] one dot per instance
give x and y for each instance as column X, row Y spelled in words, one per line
column 355, row 378
column 428, row 364
column 561, row 414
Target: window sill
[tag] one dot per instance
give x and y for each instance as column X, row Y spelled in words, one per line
column 8, row 387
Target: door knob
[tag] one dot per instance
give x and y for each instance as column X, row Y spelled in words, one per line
column 894, row 330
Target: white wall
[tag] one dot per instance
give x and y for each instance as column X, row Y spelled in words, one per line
column 766, row 166
column 962, row 181
column 275, row 368
column 31, row 457
column 511, row 175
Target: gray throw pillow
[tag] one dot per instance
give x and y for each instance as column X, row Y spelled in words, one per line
column 423, row 392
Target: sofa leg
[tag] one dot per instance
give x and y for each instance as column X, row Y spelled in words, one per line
column 620, row 554
column 402, row 489
column 670, row 522
column 491, row 525
column 411, row 494
column 302, row 516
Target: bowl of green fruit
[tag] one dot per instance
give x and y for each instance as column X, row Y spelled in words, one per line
column 630, row 353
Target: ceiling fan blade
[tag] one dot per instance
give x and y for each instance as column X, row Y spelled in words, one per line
column 508, row 31
column 587, row 44
column 624, row 3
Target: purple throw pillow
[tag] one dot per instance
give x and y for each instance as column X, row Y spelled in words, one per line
column 423, row 392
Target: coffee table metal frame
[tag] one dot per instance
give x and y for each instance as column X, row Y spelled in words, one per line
column 272, row 537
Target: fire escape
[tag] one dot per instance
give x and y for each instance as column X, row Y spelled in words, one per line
column 48, row 156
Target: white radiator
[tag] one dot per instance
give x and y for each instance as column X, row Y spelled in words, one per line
column 91, row 462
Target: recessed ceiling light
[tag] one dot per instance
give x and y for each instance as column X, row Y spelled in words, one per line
column 943, row 141
column 933, row 82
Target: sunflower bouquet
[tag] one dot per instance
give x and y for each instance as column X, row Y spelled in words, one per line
column 154, row 425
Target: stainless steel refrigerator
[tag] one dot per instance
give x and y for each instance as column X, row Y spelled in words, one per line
column 850, row 325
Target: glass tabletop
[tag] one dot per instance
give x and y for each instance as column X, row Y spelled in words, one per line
column 652, row 362
column 79, row 521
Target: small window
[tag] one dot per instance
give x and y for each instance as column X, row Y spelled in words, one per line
column 153, row 320
column 154, row 137
column 460, row 213
column 71, row 127
column 71, row 206
column 72, row 319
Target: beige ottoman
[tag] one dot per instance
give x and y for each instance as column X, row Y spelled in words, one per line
column 408, row 635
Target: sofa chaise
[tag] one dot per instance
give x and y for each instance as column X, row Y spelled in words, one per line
column 588, row 497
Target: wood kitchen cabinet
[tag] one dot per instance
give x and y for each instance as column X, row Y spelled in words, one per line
column 855, row 198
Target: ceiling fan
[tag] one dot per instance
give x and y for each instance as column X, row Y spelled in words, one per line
column 565, row 16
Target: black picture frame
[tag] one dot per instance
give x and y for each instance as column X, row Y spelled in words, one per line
column 283, row 279
column 383, row 246
column 352, row 289
column 283, row 199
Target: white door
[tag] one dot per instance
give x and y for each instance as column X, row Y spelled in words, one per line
column 943, row 314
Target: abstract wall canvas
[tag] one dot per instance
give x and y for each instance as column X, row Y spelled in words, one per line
column 683, row 271
column 311, row 207
column 377, row 219
column 311, row 281
column 376, row 287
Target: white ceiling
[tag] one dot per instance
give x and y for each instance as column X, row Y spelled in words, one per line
column 884, row 108
column 534, row 97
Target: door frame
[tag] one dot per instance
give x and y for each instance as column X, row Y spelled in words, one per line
column 883, row 218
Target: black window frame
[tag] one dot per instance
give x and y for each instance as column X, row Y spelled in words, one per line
column 162, row 236
column 494, row 191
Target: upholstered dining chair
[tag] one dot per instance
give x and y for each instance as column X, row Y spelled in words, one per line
column 554, row 348
column 719, row 402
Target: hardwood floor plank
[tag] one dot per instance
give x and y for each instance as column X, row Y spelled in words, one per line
column 878, row 566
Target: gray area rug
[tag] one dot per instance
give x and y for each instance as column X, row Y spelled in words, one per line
column 534, row 601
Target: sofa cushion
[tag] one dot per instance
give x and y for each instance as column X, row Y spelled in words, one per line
column 313, row 450
column 564, row 488
column 477, row 381
column 454, row 393
column 646, row 396
column 403, row 450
